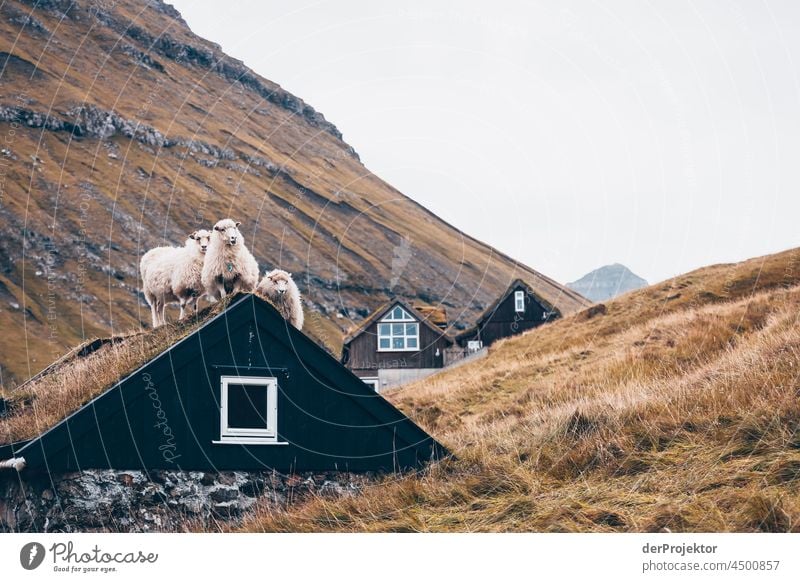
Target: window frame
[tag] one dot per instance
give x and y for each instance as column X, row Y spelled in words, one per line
column 390, row 320
column 373, row 382
column 228, row 434
column 519, row 301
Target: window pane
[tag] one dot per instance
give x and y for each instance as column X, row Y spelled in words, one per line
column 397, row 343
column 247, row 406
column 384, row 343
column 384, row 329
column 411, row 329
column 412, row 342
column 397, row 329
column 397, row 313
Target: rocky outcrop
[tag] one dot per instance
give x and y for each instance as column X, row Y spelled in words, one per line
column 135, row 501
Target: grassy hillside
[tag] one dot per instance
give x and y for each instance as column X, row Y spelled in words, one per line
column 671, row 408
column 122, row 130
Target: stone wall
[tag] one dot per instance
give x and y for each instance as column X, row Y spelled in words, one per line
column 136, row 501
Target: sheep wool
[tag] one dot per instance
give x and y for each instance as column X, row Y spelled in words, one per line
column 186, row 280
column 229, row 267
column 156, row 270
column 279, row 288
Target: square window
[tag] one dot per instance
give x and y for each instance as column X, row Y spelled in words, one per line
column 384, row 329
column 247, row 406
column 384, row 343
column 248, row 409
column 397, row 329
column 397, row 343
column 411, row 329
column 412, row 342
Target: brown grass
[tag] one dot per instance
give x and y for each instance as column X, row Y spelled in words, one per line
column 661, row 415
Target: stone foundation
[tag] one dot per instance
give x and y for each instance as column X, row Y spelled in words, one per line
column 164, row 501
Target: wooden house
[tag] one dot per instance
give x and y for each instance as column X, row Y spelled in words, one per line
column 519, row 309
column 244, row 391
column 398, row 343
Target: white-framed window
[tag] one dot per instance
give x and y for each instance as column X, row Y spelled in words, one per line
column 373, row 383
column 398, row 331
column 519, row 301
column 248, row 409
column 474, row 345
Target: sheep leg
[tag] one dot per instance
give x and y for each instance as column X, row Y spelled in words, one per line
column 154, row 313
column 183, row 310
column 162, row 308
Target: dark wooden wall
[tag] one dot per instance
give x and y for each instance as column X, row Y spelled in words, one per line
column 362, row 352
column 505, row 321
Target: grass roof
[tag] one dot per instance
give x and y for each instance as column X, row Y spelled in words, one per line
column 86, row 372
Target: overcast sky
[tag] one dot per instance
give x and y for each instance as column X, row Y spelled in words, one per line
column 664, row 135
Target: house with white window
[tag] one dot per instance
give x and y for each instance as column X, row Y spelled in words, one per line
column 397, row 344
column 241, row 391
column 518, row 309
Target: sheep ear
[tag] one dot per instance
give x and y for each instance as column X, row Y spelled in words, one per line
column 237, row 224
column 217, row 228
column 193, row 236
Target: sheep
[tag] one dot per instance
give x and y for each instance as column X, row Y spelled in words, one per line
column 279, row 288
column 186, row 281
column 157, row 267
column 156, row 270
column 229, row 267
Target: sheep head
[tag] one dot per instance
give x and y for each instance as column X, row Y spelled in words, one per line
column 277, row 282
column 202, row 238
column 228, row 231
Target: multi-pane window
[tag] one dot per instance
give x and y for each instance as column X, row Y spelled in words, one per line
column 519, row 301
column 398, row 332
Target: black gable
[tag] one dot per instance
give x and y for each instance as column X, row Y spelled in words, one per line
column 169, row 413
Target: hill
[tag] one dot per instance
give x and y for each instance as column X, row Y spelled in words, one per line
column 673, row 408
column 122, row 130
column 607, row 282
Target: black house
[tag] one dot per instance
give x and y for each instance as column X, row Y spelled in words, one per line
column 244, row 391
column 398, row 343
column 519, row 309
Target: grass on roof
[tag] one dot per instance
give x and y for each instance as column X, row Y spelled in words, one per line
column 74, row 379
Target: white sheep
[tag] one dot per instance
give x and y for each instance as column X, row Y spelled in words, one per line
column 279, row 288
column 186, row 281
column 156, row 270
column 229, row 267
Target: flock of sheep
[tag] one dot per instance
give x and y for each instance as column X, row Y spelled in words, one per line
column 213, row 264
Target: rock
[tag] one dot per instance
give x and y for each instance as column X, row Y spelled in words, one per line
column 105, row 500
column 224, row 494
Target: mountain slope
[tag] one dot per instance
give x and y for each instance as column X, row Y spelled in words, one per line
column 607, row 282
column 122, row 130
column 673, row 408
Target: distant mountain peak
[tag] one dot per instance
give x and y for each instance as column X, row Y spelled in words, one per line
column 607, row 282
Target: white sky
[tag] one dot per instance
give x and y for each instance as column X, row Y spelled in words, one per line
column 662, row 135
